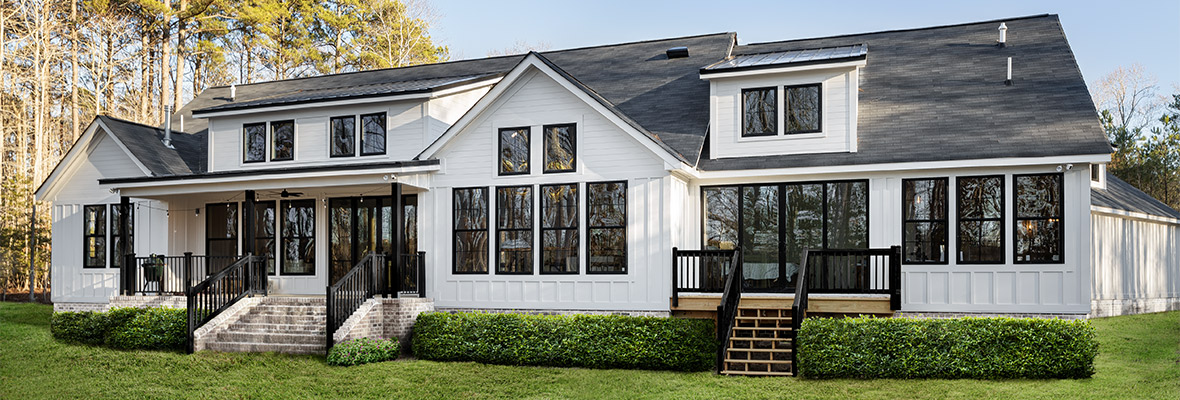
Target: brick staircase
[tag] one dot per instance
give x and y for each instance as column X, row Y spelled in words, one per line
column 293, row 325
column 761, row 343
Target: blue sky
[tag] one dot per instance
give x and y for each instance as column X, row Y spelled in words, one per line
column 1103, row 37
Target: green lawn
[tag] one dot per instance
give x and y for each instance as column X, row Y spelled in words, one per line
column 1139, row 358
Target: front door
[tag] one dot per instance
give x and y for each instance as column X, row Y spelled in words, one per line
column 359, row 225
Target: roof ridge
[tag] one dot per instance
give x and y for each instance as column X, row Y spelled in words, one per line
column 635, row 42
column 906, row 29
column 135, row 123
column 804, row 49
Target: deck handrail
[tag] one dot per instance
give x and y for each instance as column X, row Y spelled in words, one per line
column 351, row 291
column 693, row 271
column 408, row 276
column 727, row 310
column 219, row 291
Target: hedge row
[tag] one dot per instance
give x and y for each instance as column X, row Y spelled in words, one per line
column 978, row 348
column 590, row 341
column 363, row 351
column 157, row 328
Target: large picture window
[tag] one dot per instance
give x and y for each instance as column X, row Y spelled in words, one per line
column 514, row 151
column 981, row 219
column 803, row 108
column 470, row 206
column 264, row 233
column 760, row 233
column 373, row 134
column 116, row 233
column 298, row 229
column 559, row 229
column 924, row 214
column 721, row 217
column 343, row 130
column 560, row 147
column 221, row 235
column 282, row 134
column 760, row 112
column 254, row 140
column 1039, row 224
column 514, row 230
column 94, row 236
column 606, row 217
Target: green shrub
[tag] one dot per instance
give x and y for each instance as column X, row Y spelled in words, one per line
column 591, row 341
column 124, row 328
column 363, row 351
column 979, row 348
column 86, row 327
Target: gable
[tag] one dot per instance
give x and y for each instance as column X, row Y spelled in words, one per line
column 99, row 158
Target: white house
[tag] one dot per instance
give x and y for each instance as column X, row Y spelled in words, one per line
column 561, row 181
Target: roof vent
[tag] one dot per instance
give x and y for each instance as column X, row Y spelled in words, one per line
column 1003, row 35
column 168, row 127
column 233, row 92
column 677, row 52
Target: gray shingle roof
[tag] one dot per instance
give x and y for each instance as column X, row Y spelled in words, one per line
column 788, row 58
column 1121, row 195
column 145, row 142
column 298, row 96
column 938, row 94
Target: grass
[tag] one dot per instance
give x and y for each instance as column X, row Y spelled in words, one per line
column 1139, row 358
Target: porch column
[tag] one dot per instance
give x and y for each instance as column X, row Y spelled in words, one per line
column 124, row 250
column 248, row 224
column 397, row 240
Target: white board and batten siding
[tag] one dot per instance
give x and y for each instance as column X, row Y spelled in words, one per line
column 1136, row 264
column 604, row 153
column 103, row 158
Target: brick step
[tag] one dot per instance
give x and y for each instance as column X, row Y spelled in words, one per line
column 235, row 347
column 294, row 300
column 284, row 319
column 268, row 338
column 285, row 308
column 309, row 329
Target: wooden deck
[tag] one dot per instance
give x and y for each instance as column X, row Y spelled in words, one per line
column 705, row 306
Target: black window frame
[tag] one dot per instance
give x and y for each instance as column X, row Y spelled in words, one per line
column 455, row 230
column 1016, row 219
column 531, row 229
column 361, row 133
column 528, row 154
column 774, row 112
column 945, row 221
column 819, row 108
column 960, row 219
column 115, row 255
column 573, row 131
column 1096, row 173
column 246, row 142
column 235, row 239
column 576, row 228
column 590, row 227
column 332, row 136
column 282, row 234
column 273, row 138
column 259, row 234
column 98, row 236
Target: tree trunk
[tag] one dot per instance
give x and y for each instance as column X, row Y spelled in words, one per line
column 74, row 70
column 181, row 28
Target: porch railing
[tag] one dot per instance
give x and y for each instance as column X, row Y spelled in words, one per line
column 350, row 291
column 167, row 275
column 211, row 296
column 699, row 271
column 408, row 278
column 731, row 297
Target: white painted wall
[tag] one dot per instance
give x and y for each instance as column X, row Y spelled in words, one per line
column 839, row 101
column 605, row 153
column 1136, row 264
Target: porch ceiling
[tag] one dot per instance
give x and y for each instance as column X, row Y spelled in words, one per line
column 326, row 183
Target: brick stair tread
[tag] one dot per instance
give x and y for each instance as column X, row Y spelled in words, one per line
column 760, row 350
column 739, row 361
column 240, row 347
column 751, row 318
column 272, row 327
column 762, row 328
column 268, row 337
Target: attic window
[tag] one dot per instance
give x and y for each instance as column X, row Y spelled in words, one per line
column 254, row 136
column 802, row 107
column 760, row 112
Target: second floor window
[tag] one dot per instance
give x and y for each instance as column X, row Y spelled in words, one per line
column 343, row 131
column 254, row 142
column 514, row 151
column 560, row 147
column 802, row 104
column 759, row 112
column 282, row 134
column 372, row 134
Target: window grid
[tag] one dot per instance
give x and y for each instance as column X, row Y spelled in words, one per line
column 514, row 227
column 936, row 196
column 598, row 230
column 559, row 220
column 1053, row 220
column 965, row 231
column 470, row 207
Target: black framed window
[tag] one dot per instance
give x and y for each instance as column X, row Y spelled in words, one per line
column 1039, row 224
column 803, row 108
column 559, row 229
column 514, row 151
column 561, row 143
column 760, row 112
column 254, row 142
column 606, row 220
column 221, row 234
column 116, row 233
column 298, row 229
column 924, row 214
column 981, row 219
column 373, row 134
column 470, row 226
column 282, row 136
column 343, row 130
column 721, row 217
column 264, row 233
column 94, row 236
column 1096, row 172
column 514, row 230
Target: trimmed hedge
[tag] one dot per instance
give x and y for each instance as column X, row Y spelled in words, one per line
column 590, row 341
column 363, row 351
column 157, row 328
column 978, row 348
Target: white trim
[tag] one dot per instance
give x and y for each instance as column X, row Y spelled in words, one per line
column 343, row 178
column 767, row 71
column 893, row 167
column 531, row 61
column 346, row 102
column 49, row 187
column 1134, row 215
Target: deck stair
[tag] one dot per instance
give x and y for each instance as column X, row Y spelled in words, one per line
column 760, row 343
column 293, row 325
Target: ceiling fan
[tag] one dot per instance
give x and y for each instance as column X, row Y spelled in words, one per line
column 285, row 194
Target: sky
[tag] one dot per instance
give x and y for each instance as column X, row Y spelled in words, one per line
column 1103, row 36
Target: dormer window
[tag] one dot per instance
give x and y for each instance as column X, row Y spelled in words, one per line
column 282, row 134
column 514, row 151
column 560, row 147
column 802, row 107
column 373, row 134
column 254, row 137
column 343, row 136
column 344, row 140
column 760, row 112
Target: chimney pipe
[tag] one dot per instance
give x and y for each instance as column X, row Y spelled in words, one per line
column 1009, row 80
column 233, row 92
column 1003, row 34
column 168, row 127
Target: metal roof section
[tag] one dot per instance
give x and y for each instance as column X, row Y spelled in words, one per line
column 789, row 58
column 1120, row 195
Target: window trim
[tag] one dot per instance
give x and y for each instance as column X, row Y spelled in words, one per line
column 819, row 108
column 626, row 240
column 455, row 230
column 111, row 232
column 500, row 150
column 332, row 136
column 959, row 218
column 742, row 113
column 272, row 137
column 577, row 228
column 246, row 143
column 360, row 132
column 87, row 236
column 1060, row 217
column 573, row 129
column 945, row 221
column 532, row 229
column 282, row 237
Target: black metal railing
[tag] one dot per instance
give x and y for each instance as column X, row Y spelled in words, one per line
column 408, row 278
column 167, row 275
column 352, row 290
column 727, row 310
column 698, row 271
column 208, row 298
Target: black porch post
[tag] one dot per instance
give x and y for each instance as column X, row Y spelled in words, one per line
column 124, row 208
column 396, row 242
column 248, row 224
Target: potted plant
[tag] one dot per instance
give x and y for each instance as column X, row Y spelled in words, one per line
column 153, row 268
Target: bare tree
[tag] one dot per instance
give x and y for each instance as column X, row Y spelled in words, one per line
column 520, row 47
column 1130, row 96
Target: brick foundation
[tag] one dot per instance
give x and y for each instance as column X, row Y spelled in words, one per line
column 1113, row 307
column 943, row 315
column 633, row 313
column 384, row 318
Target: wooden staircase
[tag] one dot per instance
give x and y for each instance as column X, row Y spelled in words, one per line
column 761, row 343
